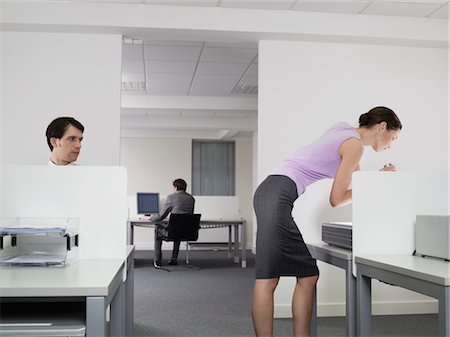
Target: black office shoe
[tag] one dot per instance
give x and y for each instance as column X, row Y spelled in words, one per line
column 157, row 264
column 173, row 262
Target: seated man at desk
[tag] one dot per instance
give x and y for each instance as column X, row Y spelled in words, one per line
column 179, row 202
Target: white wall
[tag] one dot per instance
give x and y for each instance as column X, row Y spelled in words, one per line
column 306, row 87
column 244, row 183
column 54, row 74
column 1, row 116
column 153, row 163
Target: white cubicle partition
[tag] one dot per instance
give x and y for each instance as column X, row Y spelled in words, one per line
column 385, row 205
column 95, row 195
column 217, row 207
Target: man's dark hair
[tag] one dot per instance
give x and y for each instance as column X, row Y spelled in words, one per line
column 180, row 184
column 58, row 127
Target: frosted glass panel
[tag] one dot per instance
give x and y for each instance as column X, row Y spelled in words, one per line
column 213, row 168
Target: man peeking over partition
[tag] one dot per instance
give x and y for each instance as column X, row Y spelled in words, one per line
column 64, row 136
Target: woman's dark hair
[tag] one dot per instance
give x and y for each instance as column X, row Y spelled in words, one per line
column 380, row 114
column 58, row 127
column 180, row 184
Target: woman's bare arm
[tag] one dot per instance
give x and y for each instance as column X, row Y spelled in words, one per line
column 351, row 152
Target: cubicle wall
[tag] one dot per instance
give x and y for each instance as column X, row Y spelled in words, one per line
column 220, row 208
column 95, row 195
column 385, row 205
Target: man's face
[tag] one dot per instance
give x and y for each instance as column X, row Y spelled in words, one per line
column 67, row 148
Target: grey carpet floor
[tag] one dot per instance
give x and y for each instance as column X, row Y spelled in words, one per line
column 215, row 301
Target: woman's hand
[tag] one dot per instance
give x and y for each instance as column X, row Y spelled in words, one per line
column 388, row 167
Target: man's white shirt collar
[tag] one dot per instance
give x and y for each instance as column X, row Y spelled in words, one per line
column 50, row 163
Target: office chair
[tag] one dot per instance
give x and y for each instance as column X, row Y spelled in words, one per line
column 181, row 227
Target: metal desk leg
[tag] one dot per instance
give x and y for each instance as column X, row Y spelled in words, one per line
column 236, row 243
column 118, row 313
column 130, row 233
column 129, row 299
column 229, row 241
column 95, row 317
column 444, row 312
column 364, row 305
column 350, row 300
column 313, row 324
column 244, row 245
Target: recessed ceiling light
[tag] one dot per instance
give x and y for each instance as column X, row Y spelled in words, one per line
column 245, row 89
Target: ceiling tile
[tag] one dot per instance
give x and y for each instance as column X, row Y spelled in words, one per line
column 253, row 69
column 163, row 113
column 221, row 68
column 177, row 89
column 112, row 1
column 249, row 80
column 171, row 53
column 211, row 89
column 401, row 9
column 132, row 51
column 203, row 3
column 178, row 43
column 350, row 7
column 243, row 134
column 186, row 67
column 132, row 112
column 441, row 13
column 258, row 4
column 232, row 114
column 197, row 113
column 132, row 65
column 240, row 55
column 128, row 76
column 238, row 45
column 216, row 79
column 166, row 78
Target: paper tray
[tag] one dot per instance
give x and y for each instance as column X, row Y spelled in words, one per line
column 35, row 259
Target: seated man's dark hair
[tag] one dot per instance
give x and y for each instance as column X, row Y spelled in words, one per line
column 180, row 184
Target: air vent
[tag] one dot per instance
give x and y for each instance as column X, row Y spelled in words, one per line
column 245, row 89
column 129, row 40
column 133, row 86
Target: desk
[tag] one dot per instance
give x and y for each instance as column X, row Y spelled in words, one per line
column 423, row 275
column 341, row 258
column 98, row 283
column 204, row 224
